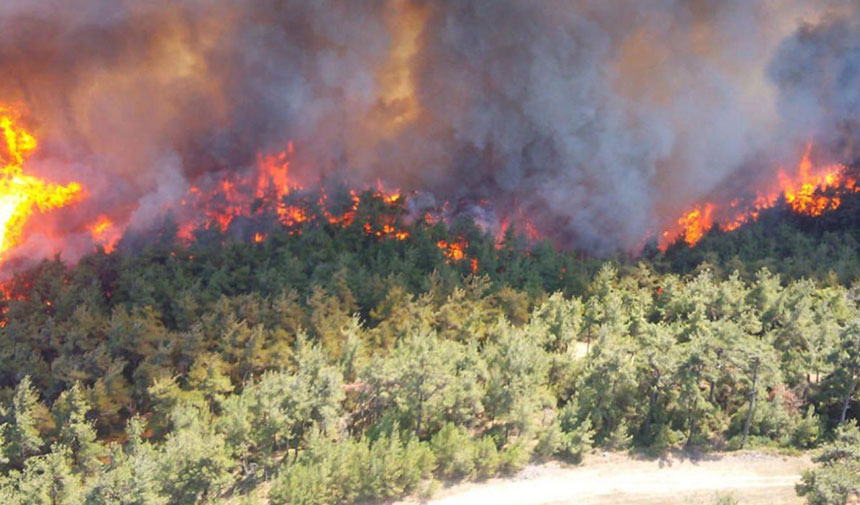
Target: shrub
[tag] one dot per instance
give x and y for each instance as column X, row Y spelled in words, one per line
column 486, row 456
column 348, row 471
column 453, row 449
column 807, row 430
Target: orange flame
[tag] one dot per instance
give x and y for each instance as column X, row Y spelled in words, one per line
column 265, row 190
column 456, row 251
column 811, row 192
column 21, row 194
column 105, row 233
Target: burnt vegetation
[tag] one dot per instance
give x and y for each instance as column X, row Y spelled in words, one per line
column 338, row 365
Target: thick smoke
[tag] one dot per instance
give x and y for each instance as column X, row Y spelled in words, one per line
column 601, row 121
column 818, row 73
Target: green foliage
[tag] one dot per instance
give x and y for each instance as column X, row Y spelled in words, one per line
column 21, row 435
column 837, row 477
column 76, row 432
column 333, row 472
column 807, row 430
column 194, row 463
column 454, row 452
column 335, row 367
column 133, row 475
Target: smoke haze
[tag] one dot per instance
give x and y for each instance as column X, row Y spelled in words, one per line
column 600, row 120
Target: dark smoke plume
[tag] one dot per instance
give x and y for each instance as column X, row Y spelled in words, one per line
column 600, row 120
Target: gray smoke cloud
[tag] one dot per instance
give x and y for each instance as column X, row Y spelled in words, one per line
column 818, row 73
column 601, row 121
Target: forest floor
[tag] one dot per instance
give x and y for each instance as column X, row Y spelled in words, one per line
column 615, row 478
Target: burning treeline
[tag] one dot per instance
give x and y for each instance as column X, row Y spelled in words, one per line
column 595, row 124
column 259, row 198
column 810, row 190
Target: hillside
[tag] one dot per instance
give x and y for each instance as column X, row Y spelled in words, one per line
column 821, row 247
column 335, row 366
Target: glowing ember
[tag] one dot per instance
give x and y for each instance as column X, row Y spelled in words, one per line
column 264, row 191
column 804, row 195
column 105, row 233
column 811, row 192
column 697, row 222
column 456, row 251
column 237, row 195
column 21, row 194
column 292, row 216
column 347, row 217
column 521, row 224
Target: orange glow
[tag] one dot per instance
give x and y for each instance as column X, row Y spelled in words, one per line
column 274, row 176
column 811, row 191
column 292, row 216
column 804, row 194
column 347, row 217
column 522, row 225
column 104, row 233
column 697, row 222
column 259, row 237
column 456, row 251
column 391, row 198
column 238, row 195
column 265, row 191
column 453, row 250
column 21, row 194
column 503, row 230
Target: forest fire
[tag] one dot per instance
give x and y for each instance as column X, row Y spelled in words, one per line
column 104, row 232
column 811, row 191
column 456, row 252
column 21, row 194
column 268, row 188
column 528, row 229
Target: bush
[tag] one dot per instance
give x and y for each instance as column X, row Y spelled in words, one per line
column 664, row 437
column 486, row 458
column 453, row 449
column 726, row 499
column 513, row 458
column 577, row 435
column 550, row 441
column 836, row 478
column 619, row 438
column 807, row 430
column 334, row 472
column 770, row 423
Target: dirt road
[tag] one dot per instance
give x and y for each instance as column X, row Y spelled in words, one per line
column 752, row 478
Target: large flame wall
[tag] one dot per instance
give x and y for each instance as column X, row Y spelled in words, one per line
column 603, row 122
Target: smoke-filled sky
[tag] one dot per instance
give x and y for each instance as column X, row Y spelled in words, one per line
column 600, row 119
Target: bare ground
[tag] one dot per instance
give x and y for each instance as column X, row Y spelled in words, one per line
column 603, row 479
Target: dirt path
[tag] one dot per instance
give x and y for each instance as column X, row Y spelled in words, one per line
column 752, row 478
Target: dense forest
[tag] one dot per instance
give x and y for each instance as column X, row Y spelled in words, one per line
column 331, row 364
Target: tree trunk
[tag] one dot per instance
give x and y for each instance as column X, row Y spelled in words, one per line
column 418, row 416
column 848, row 394
column 751, row 411
column 652, row 401
column 691, row 429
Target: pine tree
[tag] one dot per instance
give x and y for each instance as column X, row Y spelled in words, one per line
column 75, row 431
column 22, row 435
